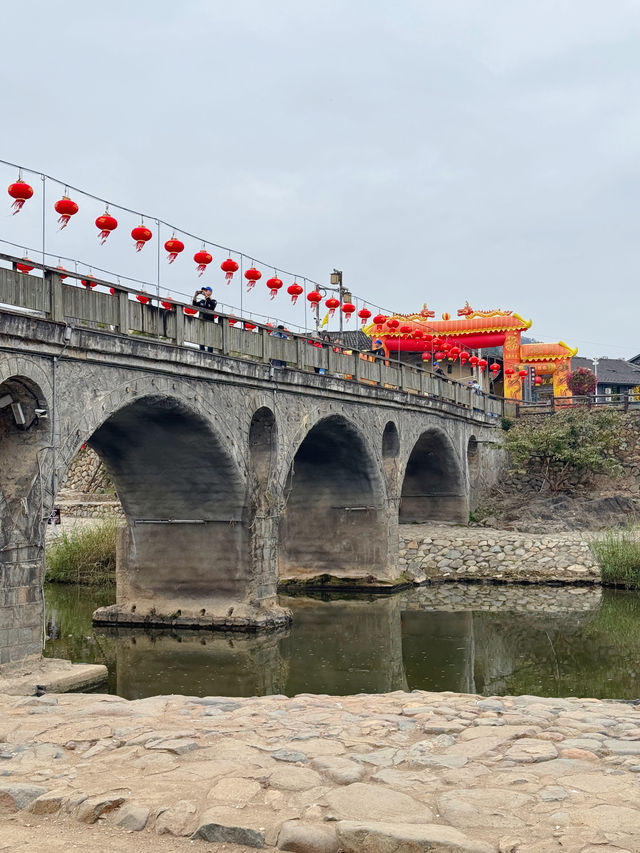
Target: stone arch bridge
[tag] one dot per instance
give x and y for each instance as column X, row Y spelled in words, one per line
column 233, row 475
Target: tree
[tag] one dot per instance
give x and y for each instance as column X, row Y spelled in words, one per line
column 566, row 447
column 582, row 381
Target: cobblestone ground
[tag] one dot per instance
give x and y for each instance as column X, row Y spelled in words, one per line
column 394, row 773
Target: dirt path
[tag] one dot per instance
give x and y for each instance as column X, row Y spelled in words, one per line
column 21, row 833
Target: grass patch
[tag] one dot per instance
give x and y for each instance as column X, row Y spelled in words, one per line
column 86, row 555
column 618, row 555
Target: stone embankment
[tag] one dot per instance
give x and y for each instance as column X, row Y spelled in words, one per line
column 401, row 772
column 447, row 552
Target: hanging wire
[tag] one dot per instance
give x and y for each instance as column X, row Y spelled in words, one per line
column 43, row 175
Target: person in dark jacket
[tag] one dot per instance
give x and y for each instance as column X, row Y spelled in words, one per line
column 203, row 298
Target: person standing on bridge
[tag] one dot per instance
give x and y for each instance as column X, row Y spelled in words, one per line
column 203, row 298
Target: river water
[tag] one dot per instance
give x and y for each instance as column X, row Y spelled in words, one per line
column 487, row 639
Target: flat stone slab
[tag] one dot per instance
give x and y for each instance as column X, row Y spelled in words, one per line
column 50, row 675
column 374, row 837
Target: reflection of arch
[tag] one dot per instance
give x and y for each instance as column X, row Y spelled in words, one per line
column 334, row 520
column 433, row 487
column 262, row 444
column 184, row 500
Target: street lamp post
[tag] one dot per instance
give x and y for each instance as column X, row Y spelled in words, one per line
column 336, row 279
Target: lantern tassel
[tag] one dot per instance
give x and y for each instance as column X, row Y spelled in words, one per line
column 140, row 245
column 172, row 256
column 17, row 205
column 250, row 285
column 201, row 268
column 294, row 299
column 228, row 276
column 102, row 237
column 63, row 221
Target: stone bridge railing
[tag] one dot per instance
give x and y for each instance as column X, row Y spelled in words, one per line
column 119, row 309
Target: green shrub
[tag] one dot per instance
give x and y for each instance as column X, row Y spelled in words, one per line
column 570, row 446
column 506, row 423
column 86, row 555
column 618, row 554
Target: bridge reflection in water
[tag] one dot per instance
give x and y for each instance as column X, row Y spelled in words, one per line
column 490, row 640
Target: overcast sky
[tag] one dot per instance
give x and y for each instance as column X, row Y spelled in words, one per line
column 434, row 150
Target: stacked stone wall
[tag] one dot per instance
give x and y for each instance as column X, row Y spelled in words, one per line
column 447, row 552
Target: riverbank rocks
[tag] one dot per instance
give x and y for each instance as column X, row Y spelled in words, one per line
column 400, row 772
column 448, row 552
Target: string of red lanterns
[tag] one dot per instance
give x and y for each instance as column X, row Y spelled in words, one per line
column 20, row 191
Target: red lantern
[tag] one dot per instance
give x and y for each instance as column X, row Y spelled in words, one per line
column 228, row 267
column 294, row 290
column 250, row 326
column 232, row 321
column 454, row 352
column 106, row 223
column 19, row 192
column 473, row 360
column 66, row 208
column 142, row 298
column 538, row 380
column 379, row 319
column 24, row 268
column 174, row 247
column 439, row 356
column 509, row 371
column 315, row 298
column 202, row 258
column 112, row 291
column 62, row 277
column 482, row 364
column 252, row 275
column 88, row 283
column 494, row 368
column 141, row 234
column 523, row 374
column 166, row 304
column 405, row 330
column 464, row 356
column 347, row 309
column 274, row 284
column 364, row 315
column 426, row 356
column 445, row 346
column 393, row 323
column 427, row 337
column 332, row 303
column 190, row 311
column 417, row 334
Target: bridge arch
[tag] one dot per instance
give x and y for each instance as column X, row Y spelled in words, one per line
column 334, row 519
column 433, row 488
column 184, row 546
column 263, row 442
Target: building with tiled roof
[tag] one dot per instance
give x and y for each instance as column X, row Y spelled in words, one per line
column 615, row 375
